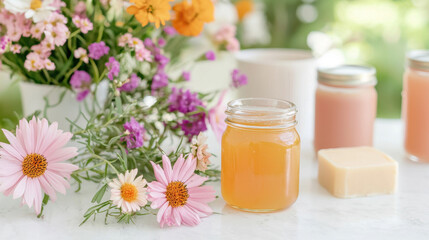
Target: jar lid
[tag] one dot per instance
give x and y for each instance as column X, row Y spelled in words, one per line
column 262, row 113
column 418, row 59
column 347, row 75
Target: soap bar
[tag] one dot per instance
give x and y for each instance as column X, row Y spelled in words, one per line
column 357, row 172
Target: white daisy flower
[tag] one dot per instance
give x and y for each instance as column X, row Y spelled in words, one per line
column 38, row 10
column 128, row 192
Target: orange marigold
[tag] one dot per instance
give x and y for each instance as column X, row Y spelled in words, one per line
column 190, row 18
column 154, row 11
column 243, row 8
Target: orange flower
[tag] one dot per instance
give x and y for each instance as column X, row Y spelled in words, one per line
column 190, row 18
column 154, row 11
column 243, row 8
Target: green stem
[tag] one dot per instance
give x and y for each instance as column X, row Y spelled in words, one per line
column 95, row 68
column 107, row 162
column 69, row 40
column 73, row 70
column 100, row 33
column 62, row 53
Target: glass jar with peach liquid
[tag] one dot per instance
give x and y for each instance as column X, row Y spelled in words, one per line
column 260, row 155
column 415, row 106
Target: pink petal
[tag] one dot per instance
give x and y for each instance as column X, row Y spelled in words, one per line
column 27, row 136
column 15, row 143
column 9, row 181
column 47, row 188
column 157, row 203
column 57, row 182
column 60, row 142
column 20, row 188
column 30, row 192
column 176, row 216
column 176, row 169
column 156, row 195
column 50, row 136
column 11, row 151
column 161, row 212
column 62, row 167
column 199, row 207
column 195, row 181
column 189, row 217
column 42, row 128
column 166, row 164
column 38, row 197
column 62, row 154
column 156, row 187
column 159, row 174
column 9, row 167
column 188, row 168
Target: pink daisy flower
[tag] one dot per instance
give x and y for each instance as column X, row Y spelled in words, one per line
column 178, row 193
column 128, row 192
column 32, row 164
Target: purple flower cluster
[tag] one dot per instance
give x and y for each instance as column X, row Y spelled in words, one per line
column 160, row 80
column 161, row 42
column 161, row 60
column 98, row 50
column 170, row 31
column 4, row 41
column 186, row 76
column 183, row 101
column 114, row 67
column 135, row 134
column 133, row 83
column 81, row 82
column 238, row 79
column 210, row 55
column 195, row 125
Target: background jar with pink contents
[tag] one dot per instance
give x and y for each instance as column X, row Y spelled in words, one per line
column 346, row 107
column 415, row 106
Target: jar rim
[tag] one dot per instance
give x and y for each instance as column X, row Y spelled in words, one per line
column 261, row 113
column 418, row 59
column 347, row 76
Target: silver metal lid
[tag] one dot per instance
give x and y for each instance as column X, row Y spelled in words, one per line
column 347, row 76
column 418, row 59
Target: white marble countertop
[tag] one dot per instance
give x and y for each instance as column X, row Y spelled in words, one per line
column 315, row 215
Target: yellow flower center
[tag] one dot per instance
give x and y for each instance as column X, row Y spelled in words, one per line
column 35, row 4
column 176, row 194
column 129, row 192
column 34, row 165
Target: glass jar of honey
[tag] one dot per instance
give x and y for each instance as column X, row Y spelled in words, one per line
column 260, row 155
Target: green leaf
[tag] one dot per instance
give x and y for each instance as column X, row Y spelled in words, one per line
column 99, row 195
column 118, row 105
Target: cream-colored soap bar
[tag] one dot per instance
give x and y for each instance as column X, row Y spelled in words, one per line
column 357, row 171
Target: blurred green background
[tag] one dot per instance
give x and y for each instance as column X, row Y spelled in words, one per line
column 374, row 32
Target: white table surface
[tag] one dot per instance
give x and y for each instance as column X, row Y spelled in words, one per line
column 315, row 215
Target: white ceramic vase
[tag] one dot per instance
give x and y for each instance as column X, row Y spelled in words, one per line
column 287, row 74
column 61, row 101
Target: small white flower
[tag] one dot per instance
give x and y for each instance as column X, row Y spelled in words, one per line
column 159, row 126
column 168, row 117
column 38, row 10
column 128, row 192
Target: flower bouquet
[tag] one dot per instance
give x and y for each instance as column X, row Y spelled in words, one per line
column 127, row 142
